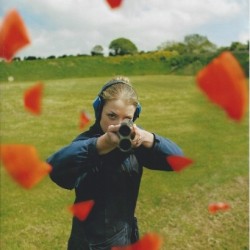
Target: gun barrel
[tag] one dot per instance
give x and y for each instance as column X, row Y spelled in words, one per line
column 124, row 130
column 125, row 145
column 125, row 134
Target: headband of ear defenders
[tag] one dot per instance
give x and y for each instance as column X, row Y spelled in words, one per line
column 98, row 102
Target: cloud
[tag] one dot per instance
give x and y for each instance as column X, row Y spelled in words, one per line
column 74, row 26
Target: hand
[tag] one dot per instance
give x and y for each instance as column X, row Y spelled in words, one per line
column 137, row 136
column 108, row 141
column 111, row 135
column 142, row 137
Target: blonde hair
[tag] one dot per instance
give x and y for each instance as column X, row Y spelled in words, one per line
column 121, row 90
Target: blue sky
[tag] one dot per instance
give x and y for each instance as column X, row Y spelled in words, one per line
column 58, row 27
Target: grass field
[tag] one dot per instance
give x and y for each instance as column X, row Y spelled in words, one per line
column 91, row 66
column 171, row 204
column 153, row 63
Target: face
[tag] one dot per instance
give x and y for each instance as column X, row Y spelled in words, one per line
column 114, row 112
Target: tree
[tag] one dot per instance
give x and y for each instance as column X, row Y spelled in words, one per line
column 239, row 46
column 122, row 46
column 197, row 44
column 173, row 46
column 192, row 44
column 51, row 57
column 30, row 58
column 97, row 50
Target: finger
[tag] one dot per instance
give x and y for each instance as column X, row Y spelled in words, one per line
column 137, row 141
column 134, row 127
column 137, row 134
column 113, row 128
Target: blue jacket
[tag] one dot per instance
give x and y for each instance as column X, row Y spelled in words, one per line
column 111, row 180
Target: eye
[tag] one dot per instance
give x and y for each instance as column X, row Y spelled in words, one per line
column 112, row 116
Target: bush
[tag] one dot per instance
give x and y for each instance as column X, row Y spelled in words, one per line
column 30, row 58
column 51, row 57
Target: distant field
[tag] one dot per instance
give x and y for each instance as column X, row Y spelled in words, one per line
column 90, row 66
column 171, row 204
column 155, row 63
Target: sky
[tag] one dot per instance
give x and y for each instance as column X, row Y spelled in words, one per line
column 71, row 27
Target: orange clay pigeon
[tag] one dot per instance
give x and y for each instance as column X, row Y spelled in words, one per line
column 114, row 3
column 219, row 206
column 23, row 164
column 149, row 241
column 33, row 98
column 13, row 35
column 84, row 119
column 178, row 163
column 224, row 83
column 82, row 209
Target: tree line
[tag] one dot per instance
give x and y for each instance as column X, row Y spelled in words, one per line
column 192, row 44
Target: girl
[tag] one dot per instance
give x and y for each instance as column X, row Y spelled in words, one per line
column 98, row 170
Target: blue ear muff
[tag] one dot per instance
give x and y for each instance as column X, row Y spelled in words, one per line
column 137, row 111
column 98, row 102
column 97, row 105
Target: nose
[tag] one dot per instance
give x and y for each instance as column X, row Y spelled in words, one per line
column 120, row 120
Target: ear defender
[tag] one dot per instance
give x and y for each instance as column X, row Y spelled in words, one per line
column 137, row 111
column 97, row 104
column 98, row 101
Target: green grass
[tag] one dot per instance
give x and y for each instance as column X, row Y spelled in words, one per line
column 171, row 204
column 78, row 67
column 154, row 63
column 90, row 66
